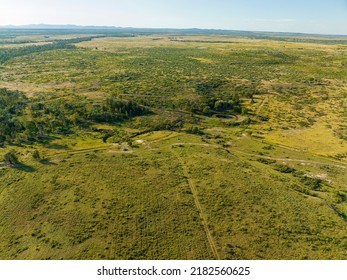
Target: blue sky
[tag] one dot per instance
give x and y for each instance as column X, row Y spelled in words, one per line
column 307, row 16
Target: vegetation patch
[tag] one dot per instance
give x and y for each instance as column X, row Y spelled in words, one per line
column 171, row 146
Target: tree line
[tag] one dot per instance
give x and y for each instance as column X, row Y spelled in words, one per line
column 23, row 120
column 7, row 54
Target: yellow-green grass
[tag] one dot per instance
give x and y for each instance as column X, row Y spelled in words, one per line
column 173, row 195
column 317, row 139
column 100, row 205
column 15, row 46
column 104, row 204
column 253, row 213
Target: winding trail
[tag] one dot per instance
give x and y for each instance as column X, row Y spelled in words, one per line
column 193, row 189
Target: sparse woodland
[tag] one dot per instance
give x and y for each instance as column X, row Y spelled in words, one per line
column 140, row 145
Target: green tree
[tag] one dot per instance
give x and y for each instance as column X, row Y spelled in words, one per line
column 36, row 155
column 11, row 158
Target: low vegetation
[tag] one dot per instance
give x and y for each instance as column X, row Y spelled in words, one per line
column 172, row 146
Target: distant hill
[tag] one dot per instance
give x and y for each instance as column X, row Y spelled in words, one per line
column 50, row 26
column 178, row 31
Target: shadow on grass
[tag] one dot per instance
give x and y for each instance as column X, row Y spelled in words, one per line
column 55, row 146
column 24, row 167
column 47, row 162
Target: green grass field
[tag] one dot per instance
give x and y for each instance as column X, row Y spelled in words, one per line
column 264, row 178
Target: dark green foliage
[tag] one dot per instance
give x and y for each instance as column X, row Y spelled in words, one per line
column 195, row 130
column 114, row 110
column 313, row 183
column 36, row 155
column 266, row 161
column 208, row 105
column 284, row 168
column 59, row 116
column 339, row 212
column 268, row 147
column 215, row 98
column 221, row 105
column 11, row 158
column 116, row 136
column 12, row 101
column 175, row 124
column 117, row 109
column 341, row 197
column 12, row 104
column 207, row 88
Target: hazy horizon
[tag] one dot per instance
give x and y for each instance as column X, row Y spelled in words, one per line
column 101, row 27
column 296, row 16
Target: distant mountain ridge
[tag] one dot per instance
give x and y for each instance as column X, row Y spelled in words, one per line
column 74, row 27
column 58, row 26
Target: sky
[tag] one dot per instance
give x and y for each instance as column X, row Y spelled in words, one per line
column 304, row 16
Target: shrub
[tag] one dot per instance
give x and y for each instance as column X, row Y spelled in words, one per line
column 314, row 183
column 195, row 130
column 11, row 158
column 266, row 160
column 341, row 197
column 284, row 168
column 36, row 155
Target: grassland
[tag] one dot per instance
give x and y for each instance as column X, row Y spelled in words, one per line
column 259, row 174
